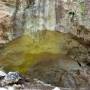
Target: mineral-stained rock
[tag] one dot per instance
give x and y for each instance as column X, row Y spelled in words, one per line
column 5, row 24
column 66, row 15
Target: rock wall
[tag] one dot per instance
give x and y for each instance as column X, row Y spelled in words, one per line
column 41, row 15
column 55, row 15
column 59, row 15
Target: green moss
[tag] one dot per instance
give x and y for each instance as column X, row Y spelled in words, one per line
column 24, row 52
column 82, row 7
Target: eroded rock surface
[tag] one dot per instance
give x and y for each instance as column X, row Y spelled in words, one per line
column 62, row 73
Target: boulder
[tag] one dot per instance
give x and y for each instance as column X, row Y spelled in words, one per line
column 10, row 78
column 2, row 74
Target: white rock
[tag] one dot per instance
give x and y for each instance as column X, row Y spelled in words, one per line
column 41, row 82
column 11, row 77
column 3, row 89
column 11, row 88
column 7, row 88
column 56, row 88
column 2, row 73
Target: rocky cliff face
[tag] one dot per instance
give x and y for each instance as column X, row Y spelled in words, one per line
column 57, row 15
column 59, row 28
